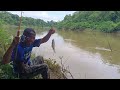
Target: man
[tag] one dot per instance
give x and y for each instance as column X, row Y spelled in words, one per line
column 20, row 51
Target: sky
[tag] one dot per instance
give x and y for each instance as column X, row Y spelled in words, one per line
column 44, row 15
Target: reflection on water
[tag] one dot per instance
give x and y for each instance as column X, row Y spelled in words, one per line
column 87, row 54
column 98, row 48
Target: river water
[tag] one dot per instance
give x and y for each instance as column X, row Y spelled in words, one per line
column 86, row 54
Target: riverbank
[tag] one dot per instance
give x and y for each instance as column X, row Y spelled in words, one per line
column 55, row 70
column 6, row 71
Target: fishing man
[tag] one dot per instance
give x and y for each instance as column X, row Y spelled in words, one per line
column 20, row 51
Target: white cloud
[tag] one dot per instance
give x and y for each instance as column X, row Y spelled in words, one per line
column 44, row 15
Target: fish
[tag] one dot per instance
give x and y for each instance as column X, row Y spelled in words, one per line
column 53, row 45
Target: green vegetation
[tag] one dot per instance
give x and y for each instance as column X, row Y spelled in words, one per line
column 105, row 21
column 5, row 40
column 7, row 18
column 6, row 71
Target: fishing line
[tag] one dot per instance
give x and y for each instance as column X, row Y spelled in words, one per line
column 109, row 46
column 106, row 40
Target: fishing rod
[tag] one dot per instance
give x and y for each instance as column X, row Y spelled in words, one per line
column 18, row 33
column 109, row 47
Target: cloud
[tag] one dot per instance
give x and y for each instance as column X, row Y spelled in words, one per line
column 44, row 15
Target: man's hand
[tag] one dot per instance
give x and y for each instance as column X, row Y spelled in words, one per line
column 52, row 31
column 15, row 41
column 46, row 38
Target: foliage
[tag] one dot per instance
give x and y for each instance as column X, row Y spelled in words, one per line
column 11, row 19
column 6, row 72
column 105, row 21
column 5, row 41
column 53, row 65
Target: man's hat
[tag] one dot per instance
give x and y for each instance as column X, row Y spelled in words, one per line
column 28, row 32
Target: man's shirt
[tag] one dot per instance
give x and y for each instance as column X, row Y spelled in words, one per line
column 24, row 52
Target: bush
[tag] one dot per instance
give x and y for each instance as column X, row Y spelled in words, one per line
column 6, row 72
column 5, row 40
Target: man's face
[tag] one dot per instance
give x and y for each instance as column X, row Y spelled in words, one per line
column 30, row 40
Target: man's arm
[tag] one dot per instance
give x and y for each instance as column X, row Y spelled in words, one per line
column 46, row 38
column 8, row 53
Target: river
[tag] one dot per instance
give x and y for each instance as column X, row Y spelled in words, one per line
column 86, row 54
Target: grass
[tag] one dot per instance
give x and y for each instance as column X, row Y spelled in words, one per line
column 6, row 71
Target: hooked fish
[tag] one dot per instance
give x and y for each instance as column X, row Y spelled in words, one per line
column 53, row 45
